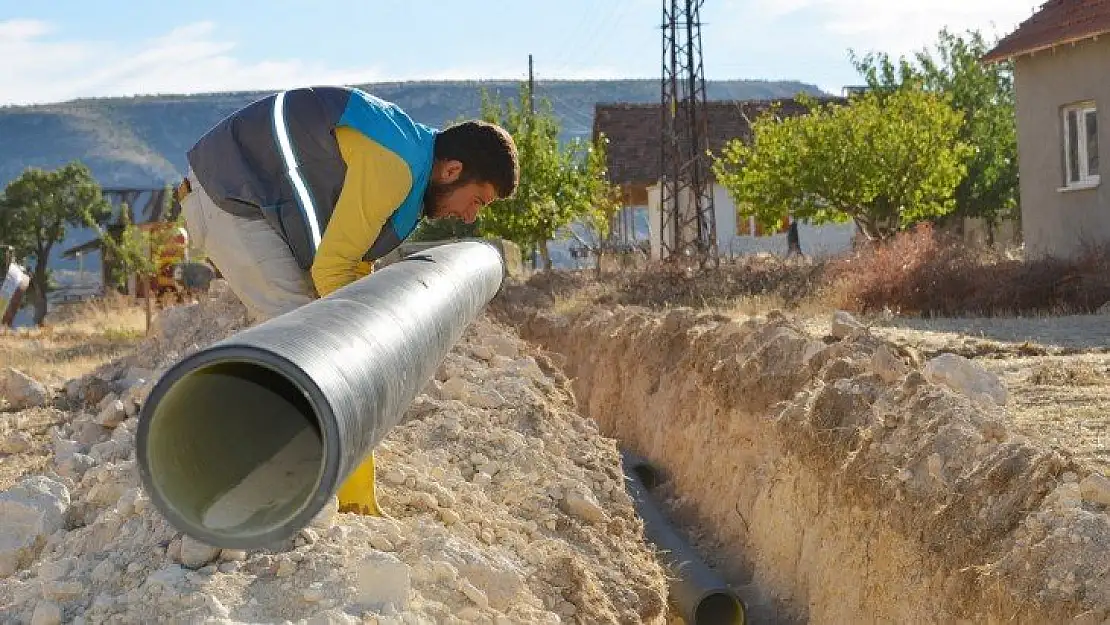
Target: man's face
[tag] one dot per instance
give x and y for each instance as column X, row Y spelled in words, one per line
column 461, row 201
column 446, row 197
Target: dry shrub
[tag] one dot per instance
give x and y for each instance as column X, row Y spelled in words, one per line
column 924, row 272
column 661, row 285
column 75, row 339
column 111, row 312
column 757, row 275
column 1067, row 374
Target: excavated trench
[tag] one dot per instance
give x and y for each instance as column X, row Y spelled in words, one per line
column 829, row 479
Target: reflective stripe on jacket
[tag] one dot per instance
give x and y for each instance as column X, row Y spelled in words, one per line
column 279, row 158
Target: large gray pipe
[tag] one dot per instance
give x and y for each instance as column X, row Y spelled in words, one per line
column 240, row 444
column 701, row 596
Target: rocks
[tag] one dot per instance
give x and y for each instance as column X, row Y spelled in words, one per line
column 383, row 582
column 20, row 391
column 467, row 479
column 46, row 613
column 15, row 443
column 29, row 513
column 584, row 506
column 455, row 388
column 967, row 377
column 1095, row 488
column 844, row 325
column 887, row 365
column 112, row 414
column 195, row 554
column 502, row 345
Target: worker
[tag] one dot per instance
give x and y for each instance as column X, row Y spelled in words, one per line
column 296, row 195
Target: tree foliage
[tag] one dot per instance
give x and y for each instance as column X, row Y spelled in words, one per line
column 884, row 161
column 983, row 94
column 559, row 184
column 37, row 207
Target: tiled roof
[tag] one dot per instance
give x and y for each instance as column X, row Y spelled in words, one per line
column 1056, row 22
column 634, row 131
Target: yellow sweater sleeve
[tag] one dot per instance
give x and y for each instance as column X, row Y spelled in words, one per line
column 376, row 183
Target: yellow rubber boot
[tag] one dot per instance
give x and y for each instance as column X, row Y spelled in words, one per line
column 358, row 494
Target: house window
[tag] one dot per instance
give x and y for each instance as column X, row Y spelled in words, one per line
column 1080, row 145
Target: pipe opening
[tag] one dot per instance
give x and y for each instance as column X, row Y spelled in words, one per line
column 235, row 449
column 648, row 475
column 719, row 608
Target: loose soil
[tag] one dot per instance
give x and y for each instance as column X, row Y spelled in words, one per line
column 829, row 478
column 504, row 506
column 1057, row 370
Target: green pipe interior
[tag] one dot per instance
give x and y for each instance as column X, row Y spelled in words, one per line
column 221, row 426
column 719, row 609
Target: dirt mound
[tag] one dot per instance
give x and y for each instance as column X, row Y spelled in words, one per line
column 835, row 477
column 505, row 506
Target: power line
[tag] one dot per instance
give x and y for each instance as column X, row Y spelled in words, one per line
column 687, row 219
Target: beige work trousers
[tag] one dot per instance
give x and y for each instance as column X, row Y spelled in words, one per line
column 256, row 262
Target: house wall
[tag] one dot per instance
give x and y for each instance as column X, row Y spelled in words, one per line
column 1057, row 222
column 817, row 241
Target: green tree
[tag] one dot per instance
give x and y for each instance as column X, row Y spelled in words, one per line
column 444, row 229
column 559, row 184
column 885, row 162
column 983, row 94
column 38, row 206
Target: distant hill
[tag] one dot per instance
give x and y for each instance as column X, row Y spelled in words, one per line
column 141, row 141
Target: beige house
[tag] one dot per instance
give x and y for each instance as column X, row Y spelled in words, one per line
column 1061, row 58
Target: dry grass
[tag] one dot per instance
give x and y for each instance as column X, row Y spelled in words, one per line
column 751, row 285
column 75, row 339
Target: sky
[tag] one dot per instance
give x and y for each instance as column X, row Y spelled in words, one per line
column 56, row 50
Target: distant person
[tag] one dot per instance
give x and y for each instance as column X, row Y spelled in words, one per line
column 297, row 194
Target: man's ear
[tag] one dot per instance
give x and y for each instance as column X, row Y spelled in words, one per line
column 448, row 171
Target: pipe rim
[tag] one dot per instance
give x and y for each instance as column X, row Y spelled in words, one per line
column 325, row 417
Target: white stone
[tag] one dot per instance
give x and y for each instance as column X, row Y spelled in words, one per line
column 73, row 466
column 383, row 580
column 112, row 414
column 844, row 325
column 1095, row 488
column 964, row 376
column 887, row 365
column 584, row 506
column 503, row 346
column 195, row 554
column 455, row 388
column 486, row 398
column 46, row 613
column 15, row 443
column 29, row 513
column 21, row 391
column 482, row 352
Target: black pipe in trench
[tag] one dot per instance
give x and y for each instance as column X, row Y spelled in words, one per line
column 241, row 444
column 701, row 596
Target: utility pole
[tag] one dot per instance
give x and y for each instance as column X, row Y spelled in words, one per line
column 531, row 123
column 687, row 224
column 531, row 90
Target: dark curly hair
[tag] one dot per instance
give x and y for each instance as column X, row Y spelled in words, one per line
column 486, row 151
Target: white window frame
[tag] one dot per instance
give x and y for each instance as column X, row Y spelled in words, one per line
column 1086, row 178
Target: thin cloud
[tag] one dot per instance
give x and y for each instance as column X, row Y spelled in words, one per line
column 901, row 27
column 188, row 59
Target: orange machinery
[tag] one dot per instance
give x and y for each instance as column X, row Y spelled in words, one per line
column 172, row 242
